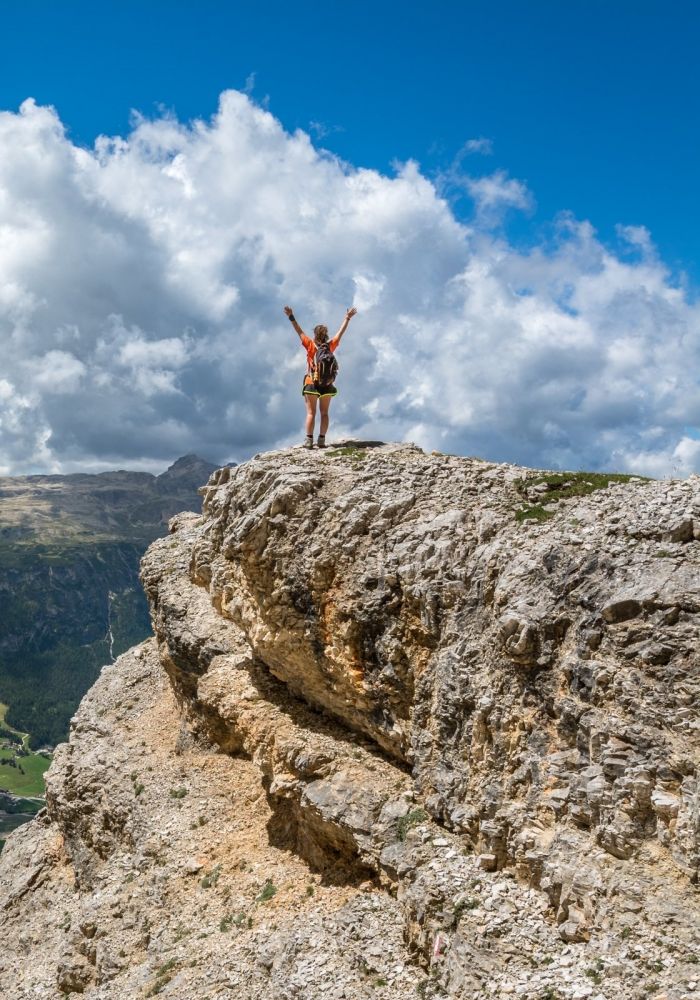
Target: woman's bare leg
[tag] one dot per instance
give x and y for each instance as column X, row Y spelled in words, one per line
column 324, row 402
column 310, row 414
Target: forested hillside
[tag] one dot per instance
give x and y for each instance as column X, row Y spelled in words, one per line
column 69, row 590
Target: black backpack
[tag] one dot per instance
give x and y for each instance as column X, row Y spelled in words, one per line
column 325, row 365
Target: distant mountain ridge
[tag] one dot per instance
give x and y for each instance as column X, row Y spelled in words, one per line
column 70, row 596
column 47, row 509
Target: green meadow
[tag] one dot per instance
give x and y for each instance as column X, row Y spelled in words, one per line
column 21, row 771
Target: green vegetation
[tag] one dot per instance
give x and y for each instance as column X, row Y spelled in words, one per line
column 235, row 920
column 267, row 892
column 536, row 513
column 21, row 771
column 178, row 793
column 212, row 878
column 22, row 775
column 9, row 733
column 70, row 549
column 55, row 629
column 564, row 486
column 412, row 818
column 166, row 967
column 163, row 976
column 463, row 906
column 348, row 451
column 10, row 823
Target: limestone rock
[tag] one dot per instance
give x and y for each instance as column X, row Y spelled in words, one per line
column 480, row 659
column 445, row 749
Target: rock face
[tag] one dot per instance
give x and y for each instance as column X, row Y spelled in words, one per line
column 484, row 729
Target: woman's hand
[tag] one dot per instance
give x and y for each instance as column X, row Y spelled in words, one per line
column 288, row 310
column 349, row 313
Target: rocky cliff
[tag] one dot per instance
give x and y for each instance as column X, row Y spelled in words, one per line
column 411, row 725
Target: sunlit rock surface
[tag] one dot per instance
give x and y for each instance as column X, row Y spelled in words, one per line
column 479, row 731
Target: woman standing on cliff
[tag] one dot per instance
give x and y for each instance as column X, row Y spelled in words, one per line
column 321, row 368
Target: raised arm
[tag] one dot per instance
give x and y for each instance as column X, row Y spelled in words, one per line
column 293, row 321
column 344, row 325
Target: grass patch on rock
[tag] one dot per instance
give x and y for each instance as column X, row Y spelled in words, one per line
column 211, row 878
column 555, row 486
column 267, row 892
column 347, row 451
column 412, row 818
column 164, row 974
column 536, row 513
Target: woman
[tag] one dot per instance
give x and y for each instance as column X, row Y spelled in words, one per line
column 313, row 389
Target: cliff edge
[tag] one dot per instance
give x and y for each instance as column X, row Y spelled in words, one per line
column 450, row 748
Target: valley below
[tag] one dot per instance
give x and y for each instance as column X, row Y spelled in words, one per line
column 71, row 602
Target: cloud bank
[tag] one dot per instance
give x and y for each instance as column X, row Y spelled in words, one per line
column 142, row 285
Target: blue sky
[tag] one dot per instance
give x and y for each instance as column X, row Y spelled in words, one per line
column 507, row 193
column 594, row 105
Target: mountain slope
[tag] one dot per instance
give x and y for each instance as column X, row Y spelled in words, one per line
column 71, row 601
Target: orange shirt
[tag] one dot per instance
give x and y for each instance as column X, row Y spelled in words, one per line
column 310, row 349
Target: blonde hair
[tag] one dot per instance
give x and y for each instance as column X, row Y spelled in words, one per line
column 321, row 334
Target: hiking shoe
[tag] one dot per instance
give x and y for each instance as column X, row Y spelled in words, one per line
column 309, row 443
column 321, row 441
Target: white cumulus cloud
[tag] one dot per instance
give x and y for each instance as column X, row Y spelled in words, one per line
column 142, row 284
column 481, row 145
column 496, row 193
